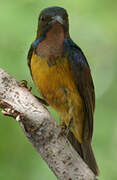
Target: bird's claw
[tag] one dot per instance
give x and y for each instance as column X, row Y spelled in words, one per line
column 63, row 130
column 24, row 84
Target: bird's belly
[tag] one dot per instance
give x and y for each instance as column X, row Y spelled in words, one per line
column 56, row 85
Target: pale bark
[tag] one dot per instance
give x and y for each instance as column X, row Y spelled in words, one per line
column 41, row 130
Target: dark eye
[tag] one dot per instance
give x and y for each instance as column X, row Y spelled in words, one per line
column 42, row 18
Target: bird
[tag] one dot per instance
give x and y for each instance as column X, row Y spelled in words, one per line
column 62, row 75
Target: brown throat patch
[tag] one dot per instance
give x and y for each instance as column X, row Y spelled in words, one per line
column 52, row 46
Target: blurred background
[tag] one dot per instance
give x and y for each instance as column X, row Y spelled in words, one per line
column 93, row 27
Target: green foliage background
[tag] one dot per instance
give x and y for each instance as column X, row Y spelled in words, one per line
column 93, row 27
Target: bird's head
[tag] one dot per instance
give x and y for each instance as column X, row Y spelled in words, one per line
column 50, row 17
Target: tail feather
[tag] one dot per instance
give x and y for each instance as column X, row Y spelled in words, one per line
column 85, row 151
column 89, row 157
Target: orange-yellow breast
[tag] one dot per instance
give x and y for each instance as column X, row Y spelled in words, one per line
column 55, row 83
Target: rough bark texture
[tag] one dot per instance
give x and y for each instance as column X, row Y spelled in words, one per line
column 41, row 130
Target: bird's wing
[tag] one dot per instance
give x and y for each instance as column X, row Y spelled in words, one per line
column 30, row 52
column 83, row 80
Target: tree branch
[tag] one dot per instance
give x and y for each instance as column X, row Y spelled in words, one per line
column 41, row 130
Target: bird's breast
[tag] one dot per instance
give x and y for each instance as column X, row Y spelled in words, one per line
column 53, row 78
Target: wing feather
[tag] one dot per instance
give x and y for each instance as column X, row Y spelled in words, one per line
column 83, row 80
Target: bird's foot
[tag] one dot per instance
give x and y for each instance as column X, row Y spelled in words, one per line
column 24, row 84
column 65, row 129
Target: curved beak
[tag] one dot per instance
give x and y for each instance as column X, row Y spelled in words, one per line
column 57, row 19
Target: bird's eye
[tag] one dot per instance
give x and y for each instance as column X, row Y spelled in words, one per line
column 42, row 18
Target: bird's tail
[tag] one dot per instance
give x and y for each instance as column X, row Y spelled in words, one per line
column 85, row 151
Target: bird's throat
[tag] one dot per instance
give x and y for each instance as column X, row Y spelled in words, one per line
column 52, row 45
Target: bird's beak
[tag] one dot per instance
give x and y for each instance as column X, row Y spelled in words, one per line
column 57, row 19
